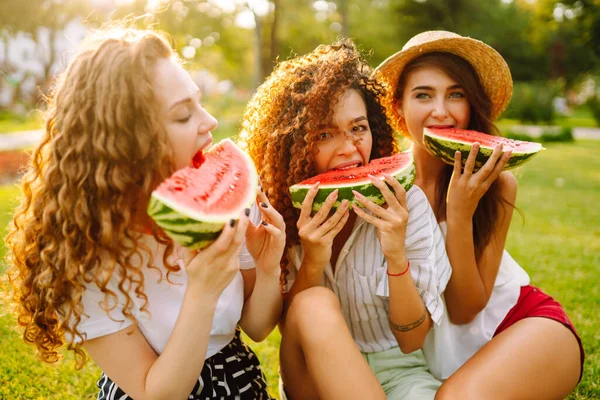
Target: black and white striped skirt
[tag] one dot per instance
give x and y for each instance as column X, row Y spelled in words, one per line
column 233, row 373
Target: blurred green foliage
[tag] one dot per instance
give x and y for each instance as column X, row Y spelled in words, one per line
column 543, row 41
column 532, row 102
column 593, row 104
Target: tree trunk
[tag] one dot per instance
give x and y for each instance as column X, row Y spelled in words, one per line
column 343, row 8
column 274, row 35
column 258, row 67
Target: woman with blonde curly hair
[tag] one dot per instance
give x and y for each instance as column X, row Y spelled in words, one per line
column 354, row 319
column 88, row 267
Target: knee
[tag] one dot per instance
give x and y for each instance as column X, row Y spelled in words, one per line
column 315, row 302
column 454, row 390
column 316, row 308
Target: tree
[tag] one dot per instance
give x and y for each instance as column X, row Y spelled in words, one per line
column 42, row 21
column 571, row 39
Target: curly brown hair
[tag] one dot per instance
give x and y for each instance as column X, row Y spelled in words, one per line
column 281, row 122
column 86, row 187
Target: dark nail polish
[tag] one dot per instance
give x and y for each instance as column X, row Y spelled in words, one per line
column 247, row 211
column 232, row 223
column 264, row 205
column 264, row 223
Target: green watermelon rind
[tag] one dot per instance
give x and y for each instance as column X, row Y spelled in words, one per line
column 406, row 177
column 183, row 229
column 194, row 229
column 444, row 148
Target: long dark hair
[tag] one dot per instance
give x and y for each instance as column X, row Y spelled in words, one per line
column 491, row 205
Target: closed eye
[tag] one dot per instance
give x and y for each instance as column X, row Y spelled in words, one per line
column 184, row 120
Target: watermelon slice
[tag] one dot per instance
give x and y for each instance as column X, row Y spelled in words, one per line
column 194, row 204
column 400, row 166
column 443, row 143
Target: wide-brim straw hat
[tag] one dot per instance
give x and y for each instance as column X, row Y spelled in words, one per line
column 491, row 68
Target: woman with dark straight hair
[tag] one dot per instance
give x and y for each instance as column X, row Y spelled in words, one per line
column 502, row 338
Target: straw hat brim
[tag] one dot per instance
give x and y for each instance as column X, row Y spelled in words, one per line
column 494, row 73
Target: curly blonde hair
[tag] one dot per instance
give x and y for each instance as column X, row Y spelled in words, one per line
column 86, row 187
column 280, row 123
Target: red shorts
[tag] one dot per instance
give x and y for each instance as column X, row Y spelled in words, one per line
column 535, row 303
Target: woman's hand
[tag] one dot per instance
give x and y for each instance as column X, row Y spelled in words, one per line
column 212, row 269
column 467, row 188
column 390, row 221
column 266, row 242
column 317, row 232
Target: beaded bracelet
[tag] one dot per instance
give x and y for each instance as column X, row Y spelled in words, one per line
column 401, row 273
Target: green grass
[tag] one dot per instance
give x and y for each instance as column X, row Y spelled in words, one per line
column 10, row 122
column 558, row 244
column 580, row 117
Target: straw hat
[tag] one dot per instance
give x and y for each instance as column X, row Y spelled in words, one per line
column 493, row 71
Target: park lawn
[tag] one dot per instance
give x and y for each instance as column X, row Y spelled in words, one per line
column 558, row 244
column 580, row 117
column 16, row 123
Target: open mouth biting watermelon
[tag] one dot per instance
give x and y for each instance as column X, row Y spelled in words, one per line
column 400, row 166
column 194, row 204
column 443, row 143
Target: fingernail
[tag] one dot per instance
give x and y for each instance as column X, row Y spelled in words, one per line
column 247, row 211
column 264, row 223
column 358, row 195
column 232, row 223
column 264, row 205
column 333, row 194
column 316, row 185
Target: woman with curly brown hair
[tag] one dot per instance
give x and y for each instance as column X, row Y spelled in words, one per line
column 354, row 319
column 88, row 267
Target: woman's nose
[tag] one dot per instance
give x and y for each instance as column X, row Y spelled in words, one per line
column 208, row 122
column 350, row 142
column 439, row 110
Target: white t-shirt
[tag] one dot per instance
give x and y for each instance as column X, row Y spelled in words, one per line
column 164, row 302
column 449, row 346
column 361, row 283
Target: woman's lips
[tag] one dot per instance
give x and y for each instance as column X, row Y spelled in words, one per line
column 348, row 165
column 440, row 126
column 198, row 158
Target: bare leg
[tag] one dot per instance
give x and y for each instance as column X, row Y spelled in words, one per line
column 318, row 357
column 536, row 358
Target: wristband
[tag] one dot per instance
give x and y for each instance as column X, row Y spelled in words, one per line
column 401, row 273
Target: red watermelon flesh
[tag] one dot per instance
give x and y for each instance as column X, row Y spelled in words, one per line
column 198, row 159
column 216, row 186
column 387, row 165
column 484, row 139
column 443, row 143
column 400, row 166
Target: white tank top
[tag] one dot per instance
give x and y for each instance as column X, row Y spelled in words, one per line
column 448, row 346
